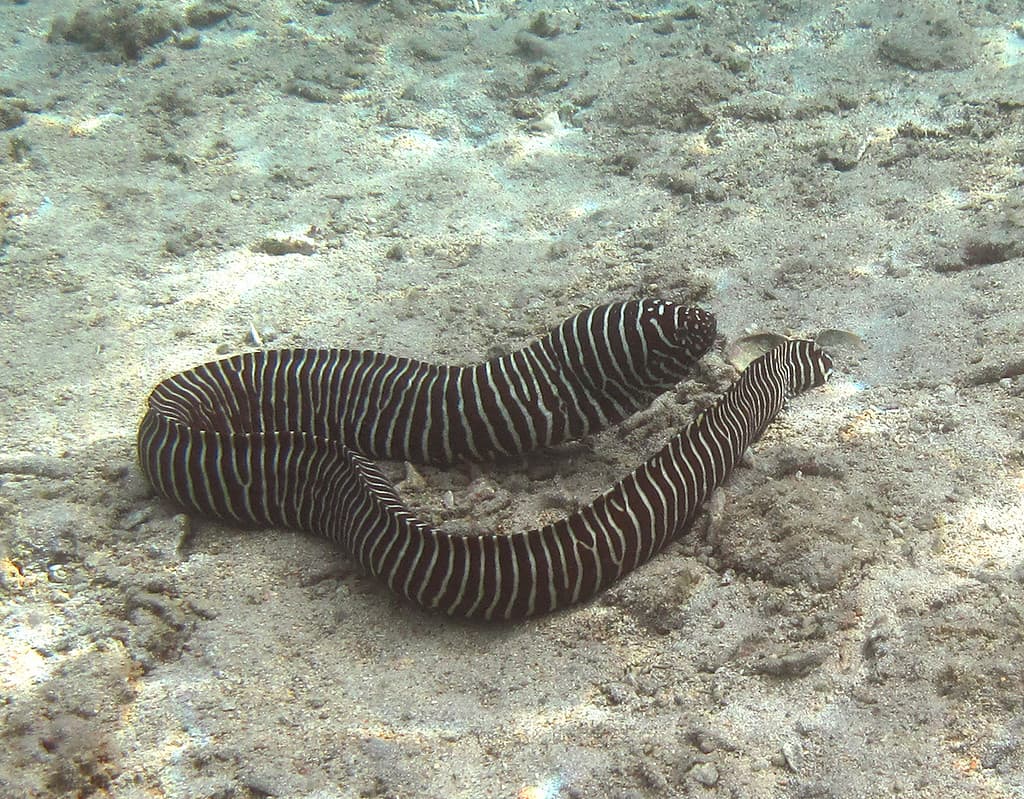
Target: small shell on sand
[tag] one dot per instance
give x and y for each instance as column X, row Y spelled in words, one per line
column 833, row 339
column 748, row 348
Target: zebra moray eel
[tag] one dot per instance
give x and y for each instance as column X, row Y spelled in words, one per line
column 284, row 438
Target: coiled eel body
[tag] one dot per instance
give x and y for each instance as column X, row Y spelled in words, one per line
column 284, row 437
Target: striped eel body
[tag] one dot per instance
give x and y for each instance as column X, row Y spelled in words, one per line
column 284, row 438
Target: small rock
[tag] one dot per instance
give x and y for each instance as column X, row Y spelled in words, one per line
column 547, row 124
column 189, row 40
column 207, row 13
column 843, row 152
column 928, row 39
column 533, row 46
column 653, row 777
column 664, row 26
column 424, row 49
column 184, row 524
column 285, row 244
column 542, row 26
column 260, row 332
column 137, row 517
column 413, row 480
column 614, row 692
column 993, row 246
column 706, row 774
column 121, row 30
column 793, row 756
column 35, row 465
column 791, row 664
column 481, row 490
column 11, row 115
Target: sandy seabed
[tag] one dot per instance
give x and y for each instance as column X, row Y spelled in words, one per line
column 447, row 180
